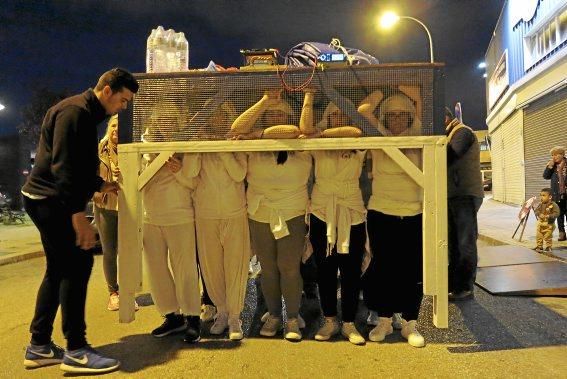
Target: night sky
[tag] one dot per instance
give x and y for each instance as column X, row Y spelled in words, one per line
column 66, row 45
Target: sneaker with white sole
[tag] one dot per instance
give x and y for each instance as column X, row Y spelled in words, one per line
column 208, row 312
column 410, row 333
column 292, row 332
column 173, row 323
column 381, row 330
column 113, row 302
column 220, row 325
column 193, row 331
column 271, row 326
column 349, row 331
column 43, row 355
column 372, row 318
column 235, row 332
column 87, row 360
column 300, row 320
column 397, row 321
column 329, row 329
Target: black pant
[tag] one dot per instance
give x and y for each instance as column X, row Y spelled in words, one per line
column 393, row 281
column 328, row 267
column 66, row 275
column 463, row 233
column 562, row 213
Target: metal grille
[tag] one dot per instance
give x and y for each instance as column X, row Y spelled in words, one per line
column 203, row 105
column 545, row 124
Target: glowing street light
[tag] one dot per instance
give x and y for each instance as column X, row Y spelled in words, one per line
column 482, row 65
column 388, row 20
column 2, row 107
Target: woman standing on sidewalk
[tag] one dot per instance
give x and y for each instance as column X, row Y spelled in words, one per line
column 337, row 223
column 277, row 203
column 106, row 211
column 223, row 237
column 169, row 237
column 394, row 278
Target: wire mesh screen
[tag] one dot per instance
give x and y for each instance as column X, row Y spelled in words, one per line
column 220, row 105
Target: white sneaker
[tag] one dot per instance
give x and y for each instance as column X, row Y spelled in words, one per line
column 397, row 321
column 372, row 318
column 220, row 325
column 329, row 329
column 381, row 330
column 300, row 320
column 235, row 332
column 113, row 302
column 351, row 333
column 271, row 326
column 208, row 312
column 410, row 333
column 292, row 332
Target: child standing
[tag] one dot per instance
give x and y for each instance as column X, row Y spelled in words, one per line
column 546, row 212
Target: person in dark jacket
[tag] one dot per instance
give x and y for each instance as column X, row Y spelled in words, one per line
column 63, row 180
column 465, row 195
column 556, row 171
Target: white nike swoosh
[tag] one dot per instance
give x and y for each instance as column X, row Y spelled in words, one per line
column 83, row 361
column 50, row 355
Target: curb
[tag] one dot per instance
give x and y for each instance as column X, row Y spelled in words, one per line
column 18, row 257
column 491, row 240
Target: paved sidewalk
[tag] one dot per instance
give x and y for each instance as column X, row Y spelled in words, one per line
column 497, row 222
column 19, row 242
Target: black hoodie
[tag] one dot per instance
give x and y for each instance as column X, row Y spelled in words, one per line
column 66, row 162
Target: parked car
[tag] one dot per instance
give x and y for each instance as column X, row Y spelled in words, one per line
column 487, row 180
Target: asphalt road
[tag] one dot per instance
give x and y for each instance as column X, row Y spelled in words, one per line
column 488, row 337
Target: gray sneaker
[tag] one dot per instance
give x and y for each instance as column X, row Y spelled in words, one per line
column 271, row 326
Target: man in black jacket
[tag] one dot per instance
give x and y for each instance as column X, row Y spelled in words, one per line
column 556, row 171
column 64, row 178
column 465, row 195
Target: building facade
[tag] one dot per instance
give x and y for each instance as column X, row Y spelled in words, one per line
column 526, row 95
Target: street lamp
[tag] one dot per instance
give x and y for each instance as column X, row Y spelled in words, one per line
column 390, row 18
column 2, row 107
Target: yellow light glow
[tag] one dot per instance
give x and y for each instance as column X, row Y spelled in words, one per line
column 388, row 19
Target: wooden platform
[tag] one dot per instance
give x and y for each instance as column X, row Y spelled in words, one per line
column 515, row 270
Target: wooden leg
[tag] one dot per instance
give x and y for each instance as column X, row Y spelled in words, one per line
column 441, row 297
column 129, row 235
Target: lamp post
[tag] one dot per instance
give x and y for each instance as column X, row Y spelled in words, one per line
column 390, row 18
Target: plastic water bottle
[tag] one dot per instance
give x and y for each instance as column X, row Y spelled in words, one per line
column 160, row 62
column 170, row 47
column 151, row 52
column 182, row 53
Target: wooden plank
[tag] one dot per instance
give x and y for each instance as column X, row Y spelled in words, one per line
column 429, row 240
column 152, row 168
column 441, row 298
column 405, row 163
column 129, row 235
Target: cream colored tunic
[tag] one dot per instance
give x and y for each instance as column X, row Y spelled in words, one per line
column 277, row 192
column 220, row 185
column 336, row 197
column 167, row 196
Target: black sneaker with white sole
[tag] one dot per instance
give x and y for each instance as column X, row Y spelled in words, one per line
column 173, row 323
column 193, row 332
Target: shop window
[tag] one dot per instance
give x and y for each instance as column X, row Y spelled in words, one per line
column 537, row 44
column 562, row 26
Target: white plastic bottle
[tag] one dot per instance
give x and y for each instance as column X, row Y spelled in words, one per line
column 170, row 47
column 151, row 52
column 160, row 62
column 182, row 53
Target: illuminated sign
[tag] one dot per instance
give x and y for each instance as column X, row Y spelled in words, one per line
column 498, row 80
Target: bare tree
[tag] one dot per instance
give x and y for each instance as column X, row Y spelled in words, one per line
column 32, row 114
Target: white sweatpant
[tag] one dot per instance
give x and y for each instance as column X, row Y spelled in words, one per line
column 224, row 255
column 176, row 289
